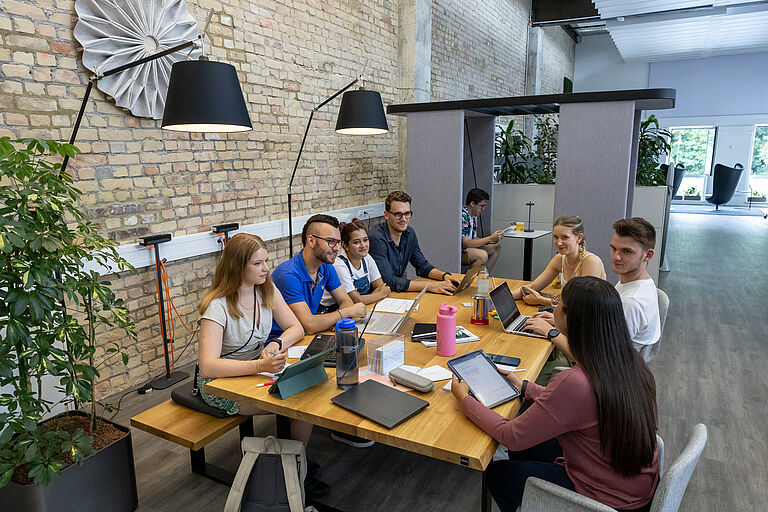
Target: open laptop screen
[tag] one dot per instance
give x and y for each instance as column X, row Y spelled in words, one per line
column 504, row 304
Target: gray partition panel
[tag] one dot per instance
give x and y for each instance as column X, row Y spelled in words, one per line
column 435, row 157
column 596, row 169
column 479, row 136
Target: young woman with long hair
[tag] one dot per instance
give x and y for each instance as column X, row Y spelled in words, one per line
column 572, row 260
column 356, row 269
column 592, row 429
column 236, row 318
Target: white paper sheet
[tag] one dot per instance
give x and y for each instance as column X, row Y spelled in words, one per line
column 390, row 305
column 296, row 352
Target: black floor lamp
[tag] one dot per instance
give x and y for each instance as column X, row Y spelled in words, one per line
column 361, row 113
column 203, row 96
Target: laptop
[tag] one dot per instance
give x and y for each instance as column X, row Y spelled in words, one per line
column 509, row 316
column 380, row 403
column 468, row 277
column 386, row 323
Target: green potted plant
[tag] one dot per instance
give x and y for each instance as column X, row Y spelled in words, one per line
column 756, row 197
column 692, row 194
column 52, row 307
column 543, row 160
column 512, row 149
column 654, row 142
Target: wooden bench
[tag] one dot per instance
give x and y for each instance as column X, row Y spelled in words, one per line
column 192, row 429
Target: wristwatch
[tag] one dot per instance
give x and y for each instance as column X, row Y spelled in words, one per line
column 522, row 389
column 553, row 333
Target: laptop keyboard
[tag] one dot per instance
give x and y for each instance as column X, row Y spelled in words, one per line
column 383, row 323
column 519, row 325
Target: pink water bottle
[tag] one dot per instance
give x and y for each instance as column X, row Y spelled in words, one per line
column 446, row 330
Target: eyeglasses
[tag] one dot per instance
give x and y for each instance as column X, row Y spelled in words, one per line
column 332, row 242
column 400, row 215
column 556, row 300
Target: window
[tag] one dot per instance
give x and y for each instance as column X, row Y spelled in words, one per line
column 758, row 179
column 693, row 146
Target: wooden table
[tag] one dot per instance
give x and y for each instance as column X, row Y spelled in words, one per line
column 441, row 431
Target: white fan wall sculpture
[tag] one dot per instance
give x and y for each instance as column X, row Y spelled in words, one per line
column 114, row 33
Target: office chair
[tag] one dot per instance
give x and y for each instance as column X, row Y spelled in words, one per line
column 725, row 180
column 650, row 351
column 543, row 496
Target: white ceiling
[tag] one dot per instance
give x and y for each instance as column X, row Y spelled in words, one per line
column 653, row 30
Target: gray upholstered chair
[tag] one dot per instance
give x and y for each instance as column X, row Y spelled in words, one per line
column 650, row 351
column 543, row 496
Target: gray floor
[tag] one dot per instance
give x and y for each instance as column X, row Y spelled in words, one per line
column 711, row 369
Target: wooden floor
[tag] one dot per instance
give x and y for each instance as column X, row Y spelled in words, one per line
column 712, row 369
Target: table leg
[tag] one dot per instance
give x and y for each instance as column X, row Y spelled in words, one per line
column 283, row 424
column 527, row 259
column 485, row 504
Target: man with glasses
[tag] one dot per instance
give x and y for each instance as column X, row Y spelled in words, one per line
column 394, row 245
column 303, row 278
column 475, row 250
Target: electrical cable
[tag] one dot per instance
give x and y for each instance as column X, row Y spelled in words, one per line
column 132, row 390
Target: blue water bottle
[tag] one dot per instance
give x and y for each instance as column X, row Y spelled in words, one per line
column 346, row 353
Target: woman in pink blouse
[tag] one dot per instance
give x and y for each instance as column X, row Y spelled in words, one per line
column 592, row 429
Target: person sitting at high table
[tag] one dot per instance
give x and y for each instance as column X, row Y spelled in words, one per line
column 357, row 271
column 303, row 278
column 477, row 251
column 236, row 318
column 394, row 244
column 592, row 429
column 631, row 249
column 571, row 260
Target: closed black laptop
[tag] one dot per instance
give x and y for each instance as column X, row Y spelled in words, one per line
column 380, row 403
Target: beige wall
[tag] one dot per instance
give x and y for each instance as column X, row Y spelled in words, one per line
column 138, row 179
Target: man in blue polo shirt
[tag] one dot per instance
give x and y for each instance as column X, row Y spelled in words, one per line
column 303, row 278
column 394, row 245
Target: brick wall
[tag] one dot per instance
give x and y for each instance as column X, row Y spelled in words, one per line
column 478, row 48
column 138, row 179
column 558, row 54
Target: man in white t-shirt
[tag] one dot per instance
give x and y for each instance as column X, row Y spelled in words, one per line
column 631, row 249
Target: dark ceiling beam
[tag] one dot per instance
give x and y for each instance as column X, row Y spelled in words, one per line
column 559, row 12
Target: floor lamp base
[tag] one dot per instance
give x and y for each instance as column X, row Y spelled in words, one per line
column 163, row 382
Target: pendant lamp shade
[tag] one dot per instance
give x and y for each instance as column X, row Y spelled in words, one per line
column 361, row 113
column 205, row 96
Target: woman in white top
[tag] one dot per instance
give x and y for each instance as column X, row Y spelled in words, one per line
column 572, row 260
column 237, row 313
column 357, row 271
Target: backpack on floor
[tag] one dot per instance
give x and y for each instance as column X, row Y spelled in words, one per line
column 270, row 477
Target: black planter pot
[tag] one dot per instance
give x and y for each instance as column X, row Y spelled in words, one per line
column 105, row 482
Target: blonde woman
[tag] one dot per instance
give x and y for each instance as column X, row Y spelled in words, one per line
column 236, row 318
column 572, row 260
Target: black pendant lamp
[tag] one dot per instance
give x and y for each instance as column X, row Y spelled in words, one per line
column 205, row 96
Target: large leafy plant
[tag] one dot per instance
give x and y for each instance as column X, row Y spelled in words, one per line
column 53, row 304
column 523, row 161
column 654, row 143
column 512, row 147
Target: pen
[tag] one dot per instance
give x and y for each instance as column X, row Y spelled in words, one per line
column 518, row 370
column 264, row 384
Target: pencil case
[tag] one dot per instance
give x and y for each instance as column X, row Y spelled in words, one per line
column 411, row 380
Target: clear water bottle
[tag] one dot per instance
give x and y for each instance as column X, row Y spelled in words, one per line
column 483, row 280
column 346, row 353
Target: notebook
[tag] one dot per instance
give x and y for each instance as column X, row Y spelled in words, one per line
column 379, row 403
